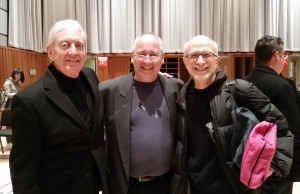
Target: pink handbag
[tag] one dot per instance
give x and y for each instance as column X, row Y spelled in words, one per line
column 258, row 154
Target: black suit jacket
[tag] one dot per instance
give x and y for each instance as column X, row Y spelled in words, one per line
column 117, row 97
column 282, row 95
column 54, row 151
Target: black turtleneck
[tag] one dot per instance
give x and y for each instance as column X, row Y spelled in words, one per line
column 77, row 89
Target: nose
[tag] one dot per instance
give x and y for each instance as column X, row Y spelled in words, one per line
column 200, row 59
column 72, row 49
column 147, row 57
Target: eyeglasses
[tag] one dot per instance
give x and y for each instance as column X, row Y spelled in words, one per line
column 205, row 56
column 285, row 55
column 282, row 53
column 152, row 57
column 66, row 45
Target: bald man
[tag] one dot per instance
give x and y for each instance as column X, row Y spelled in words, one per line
column 140, row 120
column 203, row 161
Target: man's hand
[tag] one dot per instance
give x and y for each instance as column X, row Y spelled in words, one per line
column 166, row 74
column 270, row 172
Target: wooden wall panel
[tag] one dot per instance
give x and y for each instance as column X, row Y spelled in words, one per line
column 225, row 65
column 11, row 58
column 118, row 64
column 102, row 74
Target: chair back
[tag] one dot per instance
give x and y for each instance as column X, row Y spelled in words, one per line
column 5, row 122
column 5, row 117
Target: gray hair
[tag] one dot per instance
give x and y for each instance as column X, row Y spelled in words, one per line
column 62, row 25
column 161, row 44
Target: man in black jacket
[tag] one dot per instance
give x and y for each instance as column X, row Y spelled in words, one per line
column 205, row 165
column 58, row 144
column 270, row 56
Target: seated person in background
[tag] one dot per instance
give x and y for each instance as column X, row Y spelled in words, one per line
column 11, row 86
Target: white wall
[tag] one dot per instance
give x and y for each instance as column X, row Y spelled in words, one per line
column 3, row 22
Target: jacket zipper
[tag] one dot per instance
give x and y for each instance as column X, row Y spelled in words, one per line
column 263, row 148
column 250, row 178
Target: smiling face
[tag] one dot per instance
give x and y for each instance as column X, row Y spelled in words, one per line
column 201, row 60
column 67, row 52
column 147, row 58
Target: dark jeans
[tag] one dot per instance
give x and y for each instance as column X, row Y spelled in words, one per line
column 160, row 185
column 280, row 186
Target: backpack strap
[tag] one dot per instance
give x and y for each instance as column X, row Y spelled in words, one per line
column 231, row 85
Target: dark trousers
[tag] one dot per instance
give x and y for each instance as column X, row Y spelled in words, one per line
column 280, row 186
column 160, row 185
column 8, row 139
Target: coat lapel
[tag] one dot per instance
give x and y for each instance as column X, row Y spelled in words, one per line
column 62, row 101
column 94, row 106
column 123, row 116
column 171, row 95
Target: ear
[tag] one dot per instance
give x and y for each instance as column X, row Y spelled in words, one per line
column 163, row 59
column 50, row 52
column 185, row 61
column 277, row 55
column 131, row 60
column 218, row 60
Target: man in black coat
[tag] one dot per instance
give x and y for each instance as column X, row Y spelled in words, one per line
column 266, row 76
column 58, row 144
column 205, row 138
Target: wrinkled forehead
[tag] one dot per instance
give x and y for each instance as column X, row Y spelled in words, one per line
column 201, row 44
column 69, row 34
column 148, row 43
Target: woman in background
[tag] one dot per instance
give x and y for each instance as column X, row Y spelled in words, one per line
column 11, row 86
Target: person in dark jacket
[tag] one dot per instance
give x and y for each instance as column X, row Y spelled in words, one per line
column 204, row 166
column 296, row 92
column 140, row 121
column 270, row 57
column 58, row 144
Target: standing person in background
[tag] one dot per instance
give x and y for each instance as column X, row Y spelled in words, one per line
column 270, row 57
column 140, row 120
column 58, row 138
column 204, row 162
column 296, row 92
column 11, row 86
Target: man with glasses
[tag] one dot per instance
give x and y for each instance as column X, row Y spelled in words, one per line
column 270, row 58
column 140, row 120
column 204, row 161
